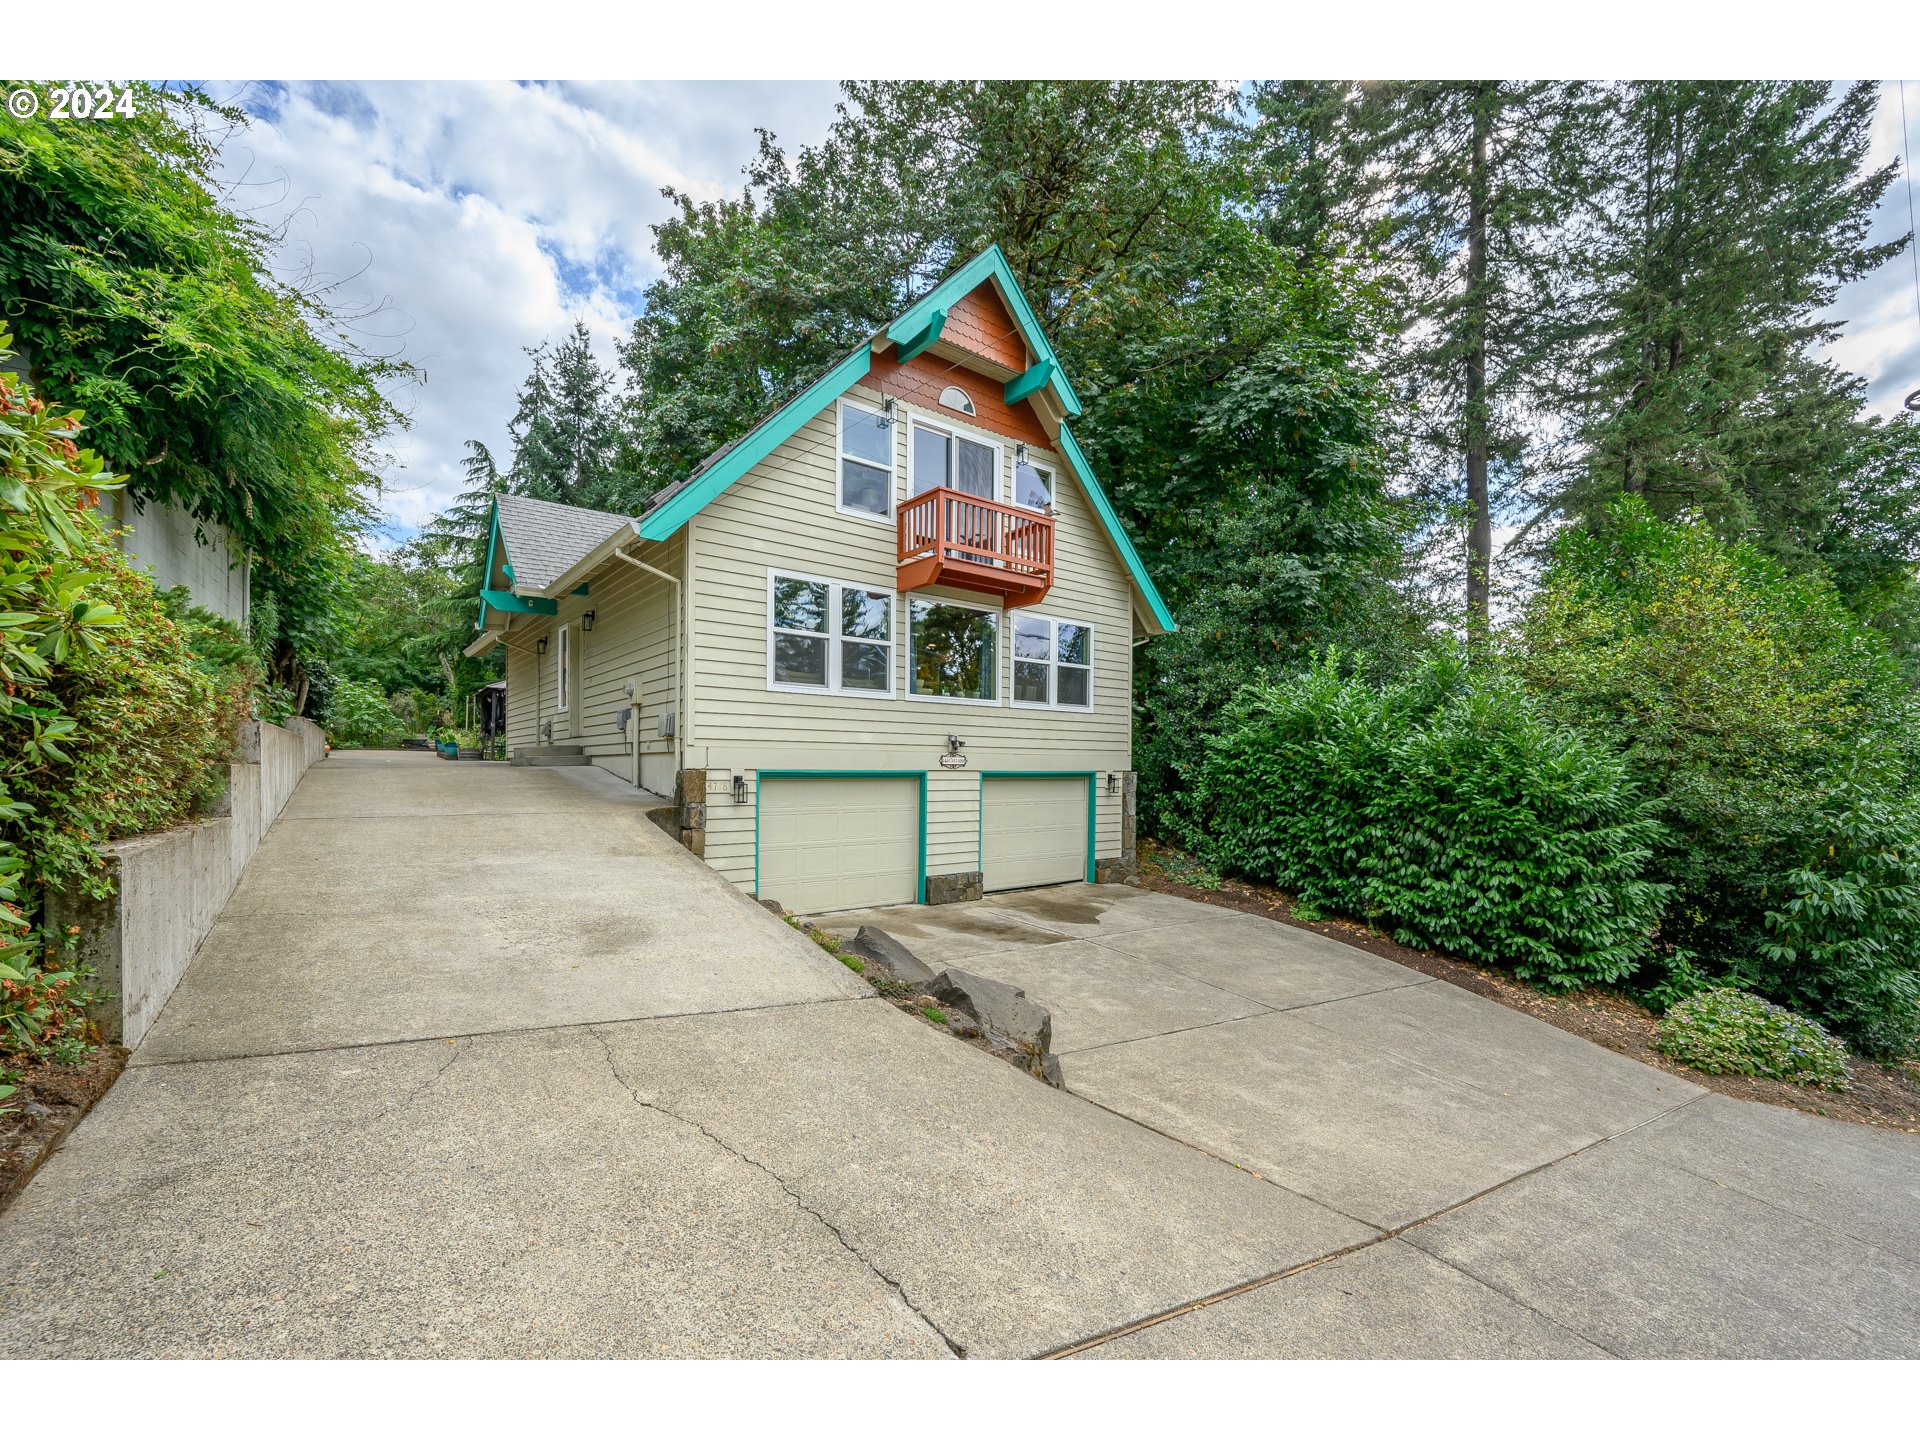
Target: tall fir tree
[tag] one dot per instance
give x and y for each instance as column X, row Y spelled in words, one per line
column 566, row 429
column 1732, row 214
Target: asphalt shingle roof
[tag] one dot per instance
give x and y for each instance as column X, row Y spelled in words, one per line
column 545, row 540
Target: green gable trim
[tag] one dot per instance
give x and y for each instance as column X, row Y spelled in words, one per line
column 989, row 263
column 760, row 442
column 519, row 604
column 1021, row 387
column 493, row 544
column 1104, row 509
column 907, row 349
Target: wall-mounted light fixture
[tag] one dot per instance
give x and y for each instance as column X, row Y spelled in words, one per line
column 888, row 408
column 586, row 622
column 739, row 789
column 1113, row 782
column 955, row 744
column 1020, row 452
column 540, row 646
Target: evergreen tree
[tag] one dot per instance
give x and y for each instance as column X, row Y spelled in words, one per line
column 1732, row 214
column 565, row 429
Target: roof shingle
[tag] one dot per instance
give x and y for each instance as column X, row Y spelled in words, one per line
column 544, row 540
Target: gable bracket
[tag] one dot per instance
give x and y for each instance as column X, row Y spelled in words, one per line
column 916, row 344
column 1021, row 386
column 520, row 604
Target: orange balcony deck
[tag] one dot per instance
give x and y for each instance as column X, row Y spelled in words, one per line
column 948, row 537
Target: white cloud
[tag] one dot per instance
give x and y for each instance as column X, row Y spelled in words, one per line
column 1882, row 310
column 477, row 219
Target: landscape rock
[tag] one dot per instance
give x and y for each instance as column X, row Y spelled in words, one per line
column 880, row 948
column 963, row 1025
column 1004, row 1012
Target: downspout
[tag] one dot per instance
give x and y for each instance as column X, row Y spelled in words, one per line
column 679, row 699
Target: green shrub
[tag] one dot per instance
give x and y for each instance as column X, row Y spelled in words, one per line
column 1443, row 807
column 1845, row 944
column 1738, row 693
column 1729, row 1032
column 359, row 718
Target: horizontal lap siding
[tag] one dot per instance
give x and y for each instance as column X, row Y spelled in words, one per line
column 632, row 641
column 781, row 516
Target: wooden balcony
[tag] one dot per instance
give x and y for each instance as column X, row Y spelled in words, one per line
column 948, row 537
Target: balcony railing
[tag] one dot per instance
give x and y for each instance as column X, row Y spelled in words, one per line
column 948, row 537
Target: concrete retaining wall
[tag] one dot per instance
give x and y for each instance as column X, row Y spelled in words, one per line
column 169, row 887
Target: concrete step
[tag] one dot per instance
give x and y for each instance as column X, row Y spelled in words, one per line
column 551, row 755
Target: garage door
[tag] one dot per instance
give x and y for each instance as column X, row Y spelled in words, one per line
column 828, row 844
column 1035, row 831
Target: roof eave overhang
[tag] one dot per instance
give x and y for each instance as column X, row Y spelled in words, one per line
column 577, row 573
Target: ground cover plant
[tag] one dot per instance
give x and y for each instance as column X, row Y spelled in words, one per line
column 1724, row 1031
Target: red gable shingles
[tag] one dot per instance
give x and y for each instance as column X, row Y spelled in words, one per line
column 979, row 323
column 922, row 379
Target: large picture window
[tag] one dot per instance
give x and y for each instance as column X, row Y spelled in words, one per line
column 826, row 635
column 954, row 652
column 866, row 462
column 1052, row 663
column 944, row 457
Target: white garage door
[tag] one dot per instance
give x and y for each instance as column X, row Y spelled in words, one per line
column 831, row 844
column 1035, row 831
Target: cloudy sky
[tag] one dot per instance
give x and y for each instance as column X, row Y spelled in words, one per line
column 466, row 221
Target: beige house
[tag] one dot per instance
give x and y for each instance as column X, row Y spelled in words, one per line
column 879, row 649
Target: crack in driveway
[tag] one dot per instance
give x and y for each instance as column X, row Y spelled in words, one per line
column 958, row 1351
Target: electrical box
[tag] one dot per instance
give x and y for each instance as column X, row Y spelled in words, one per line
column 666, row 724
column 621, row 717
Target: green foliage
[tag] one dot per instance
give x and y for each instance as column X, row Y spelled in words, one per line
column 1729, row 1032
column 43, row 1013
column 142, row 298
column 852, row 962
column 1444, row 807
column 1737, row 693
column 934, row 1013
column 1845, row 942
column 359, row 718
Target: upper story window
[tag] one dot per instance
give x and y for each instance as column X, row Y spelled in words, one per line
column 954, row 398
column 1052, row 663
column 945, row 457
column 955, row 651
column 827, row 635
column 563, row 669
column 866, row 462
column 1032, row 486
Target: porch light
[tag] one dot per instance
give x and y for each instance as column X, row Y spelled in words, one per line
column 887, row 409
column 1113, row 782
column 540, row 646
column 739, row 789
column 955, row 744
column 586, row 622
column 1020, row 452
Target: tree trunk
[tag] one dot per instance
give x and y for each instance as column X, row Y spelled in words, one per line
column 1479, row 509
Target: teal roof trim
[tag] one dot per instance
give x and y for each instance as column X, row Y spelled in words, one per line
column 760, row 442
column 929, row 333
column 1103, row 507
column 509, row 603
column 486, row 575
column 989, row 263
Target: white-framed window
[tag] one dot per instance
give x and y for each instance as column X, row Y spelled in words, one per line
column 953, row 652
column 1033, row 486
column 828, row 636
column 943, row 455
column 866, row 463
column 1052, row 663
column 563, row 669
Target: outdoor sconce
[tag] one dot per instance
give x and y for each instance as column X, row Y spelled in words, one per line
column 739, row 789
column 540, row 646
column 586, row 622
column 1113, row 782
column 887, row 410
column 1020, row 452
column 955, row 744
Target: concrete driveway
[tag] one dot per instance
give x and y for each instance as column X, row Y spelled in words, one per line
column 477, row 1062
column 1529, row 1193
